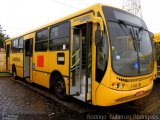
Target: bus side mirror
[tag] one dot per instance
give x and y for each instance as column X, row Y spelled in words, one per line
column 98, row 37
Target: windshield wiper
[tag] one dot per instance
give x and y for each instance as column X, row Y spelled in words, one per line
column 139, row 31
column 139, row 36
column 121, row 22
column 130, row 32
column 135, row 37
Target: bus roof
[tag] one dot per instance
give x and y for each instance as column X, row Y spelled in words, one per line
column 83, row 11
column 157, row 37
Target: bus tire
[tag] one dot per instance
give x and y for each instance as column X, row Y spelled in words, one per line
column 14, row 73
column 60, row 88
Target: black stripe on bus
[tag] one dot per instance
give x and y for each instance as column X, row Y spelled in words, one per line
column 50, row 73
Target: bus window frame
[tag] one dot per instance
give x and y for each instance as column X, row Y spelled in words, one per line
column 40, row 41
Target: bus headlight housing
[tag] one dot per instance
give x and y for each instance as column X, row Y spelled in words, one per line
column 118, row 85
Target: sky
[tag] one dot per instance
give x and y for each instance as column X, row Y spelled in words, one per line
column 20, row 16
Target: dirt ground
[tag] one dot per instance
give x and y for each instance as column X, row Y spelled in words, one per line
column 20, row 102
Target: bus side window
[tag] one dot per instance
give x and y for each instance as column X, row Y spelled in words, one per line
column 41, row 43
column 59, row 37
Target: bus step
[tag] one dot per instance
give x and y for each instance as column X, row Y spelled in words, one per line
column 77, row 94
column 28, row 79
column 80, row 97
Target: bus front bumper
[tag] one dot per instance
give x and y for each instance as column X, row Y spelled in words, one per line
column 108, row 97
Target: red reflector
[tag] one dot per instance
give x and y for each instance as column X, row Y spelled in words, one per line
column 40, row 61
column 139, row 93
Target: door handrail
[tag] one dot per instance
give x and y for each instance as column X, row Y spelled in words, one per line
column 75, row 68
column 75, row 52
column 76, row 63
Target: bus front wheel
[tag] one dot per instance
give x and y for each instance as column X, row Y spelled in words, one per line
column 14, row 72
column 60, row 88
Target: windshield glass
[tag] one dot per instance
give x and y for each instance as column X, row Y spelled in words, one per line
column 131, row 53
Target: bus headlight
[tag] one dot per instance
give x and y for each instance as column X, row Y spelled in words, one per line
column 118, row 85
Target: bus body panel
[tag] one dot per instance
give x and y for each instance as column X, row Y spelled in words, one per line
column 40, row 60
column 41, row 78
column 108, row 97
column 53, row 62
column 17, row 60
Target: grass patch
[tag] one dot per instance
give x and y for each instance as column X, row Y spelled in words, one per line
column 5, row 74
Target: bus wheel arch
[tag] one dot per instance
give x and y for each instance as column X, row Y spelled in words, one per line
column 57, row 84
column 14, row 72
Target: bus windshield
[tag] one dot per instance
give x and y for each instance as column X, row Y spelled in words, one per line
column 130, row 57
column 131, row 47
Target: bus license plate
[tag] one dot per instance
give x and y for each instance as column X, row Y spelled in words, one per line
column 139, row 93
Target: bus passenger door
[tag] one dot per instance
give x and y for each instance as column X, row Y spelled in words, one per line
column 28, row 59
column 75, row 70
column 7, row 57
column 80, row 62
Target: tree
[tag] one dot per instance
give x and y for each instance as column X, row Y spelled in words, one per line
column 3, row 37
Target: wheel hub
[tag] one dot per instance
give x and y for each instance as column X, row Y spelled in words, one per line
column 60, row 86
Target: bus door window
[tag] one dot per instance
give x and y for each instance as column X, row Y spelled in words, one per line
column 76, row 56
column 7, row 56
column 102, row 57
column 28, row 47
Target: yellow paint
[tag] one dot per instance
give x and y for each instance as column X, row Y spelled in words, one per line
column 82, row 19
column 41, row 78
column 52, row 62
column 157, row 37
column 107, row 97
column 2, row 60
column 17, row 59
column 19, row 71
column 67, row 85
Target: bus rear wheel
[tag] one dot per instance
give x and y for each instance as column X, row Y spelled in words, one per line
column 14, row 73
column 60, row 88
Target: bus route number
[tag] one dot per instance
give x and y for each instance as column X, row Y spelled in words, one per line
column 136, row 85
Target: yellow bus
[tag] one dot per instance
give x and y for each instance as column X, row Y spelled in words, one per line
column 101, row 55
column 157, row 47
